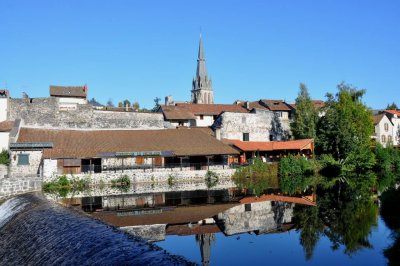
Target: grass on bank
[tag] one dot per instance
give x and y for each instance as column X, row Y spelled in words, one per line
column 62, row 185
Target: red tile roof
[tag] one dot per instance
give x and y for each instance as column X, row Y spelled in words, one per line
column 393, row 112
column 316, row 103
column 90, row 143
column 276, row 105
column 300, row 144
column 172, row 112
column 211, row 109
column 297, row 200
column 6, row 126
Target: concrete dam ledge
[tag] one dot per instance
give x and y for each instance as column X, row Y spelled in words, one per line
column 35, row 231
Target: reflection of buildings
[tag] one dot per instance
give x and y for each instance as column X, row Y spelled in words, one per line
column 155, row 216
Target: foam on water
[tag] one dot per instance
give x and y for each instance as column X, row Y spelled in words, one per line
column 10, row 208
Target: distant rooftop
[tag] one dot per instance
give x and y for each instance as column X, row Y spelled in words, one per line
column 68, row 91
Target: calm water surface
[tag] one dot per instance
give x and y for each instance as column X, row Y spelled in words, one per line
column 212, row 227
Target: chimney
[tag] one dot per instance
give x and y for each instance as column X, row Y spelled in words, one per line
column 168, row 100
column 126, row 107
column 247, row 105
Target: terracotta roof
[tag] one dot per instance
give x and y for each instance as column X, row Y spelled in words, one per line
column 316, row 103
column 68, row 91
column 89, row 143
column 255, row 104
column 377, row 118
column 300, row 144
column 297, row 200
column 194, row 229
column 6, row 126
column 179, row 215
column 210, row 109
column 393, row 112
column 276, row 105
column 172, row 112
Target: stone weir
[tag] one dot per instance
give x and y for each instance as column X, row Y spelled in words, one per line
column 34, row 231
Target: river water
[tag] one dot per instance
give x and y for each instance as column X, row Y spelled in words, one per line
column 227, row 226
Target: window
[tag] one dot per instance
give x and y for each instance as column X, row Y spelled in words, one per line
column 247, row 207
column 23, row 159
column 201, row 117
column 389, row 138
column 246, row 136
column 386, row 127
column 383, row 138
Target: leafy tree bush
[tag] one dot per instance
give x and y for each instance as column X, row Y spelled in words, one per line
column 4, row 157
column 258, row 176
column 295, row 173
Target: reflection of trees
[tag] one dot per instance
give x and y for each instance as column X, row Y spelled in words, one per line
column 390, row 210
column 311, row 228
column 344, row 219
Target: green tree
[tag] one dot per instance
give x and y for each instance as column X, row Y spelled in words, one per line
column 392, row 106
column 136, row 106
column 156, row 104
column 305, row 117
column 110, row 103
column 126, row 103
column 347, row 124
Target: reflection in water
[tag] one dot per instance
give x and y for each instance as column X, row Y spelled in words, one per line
column 390, row 210
column 205, row 241
column 343, row 216
column 345, row 219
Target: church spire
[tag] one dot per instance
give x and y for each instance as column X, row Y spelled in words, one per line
column 202, row 91
column 201, row 61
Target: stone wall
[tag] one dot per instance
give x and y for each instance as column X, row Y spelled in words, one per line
column 262, row 217
column 3, row 171
column 46, row 112
column 232, row 125
column 149, row 187
column 32, row 169
column 150, row 176
column 14, row 186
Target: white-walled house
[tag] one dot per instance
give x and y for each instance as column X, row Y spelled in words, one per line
column 197, row 115
column 394, row 117
column 384, row 129
column 5, row 128
column 4, row 94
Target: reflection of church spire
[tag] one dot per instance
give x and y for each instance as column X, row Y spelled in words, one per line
column 205, row 241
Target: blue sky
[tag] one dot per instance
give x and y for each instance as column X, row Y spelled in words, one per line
column 254, row 49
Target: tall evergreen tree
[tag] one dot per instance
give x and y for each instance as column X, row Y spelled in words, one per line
column 392, row 106
column 305, row 117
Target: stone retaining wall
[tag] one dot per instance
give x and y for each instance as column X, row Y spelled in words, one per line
column 150, row 177
column 14, row 186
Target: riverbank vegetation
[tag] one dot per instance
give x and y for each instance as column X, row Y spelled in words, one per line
column 63, row 185
column 345, row 155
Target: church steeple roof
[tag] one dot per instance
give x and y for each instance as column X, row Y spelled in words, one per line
column 201, row 61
